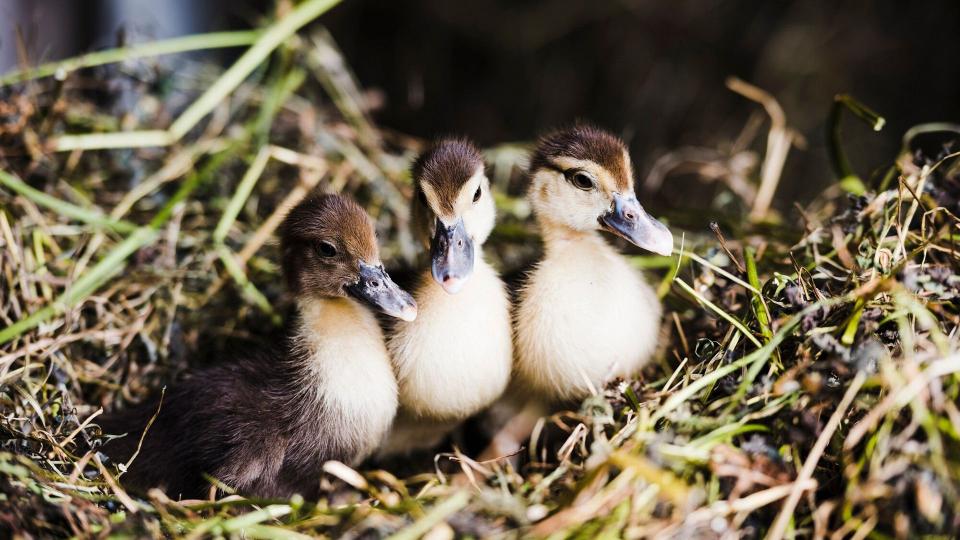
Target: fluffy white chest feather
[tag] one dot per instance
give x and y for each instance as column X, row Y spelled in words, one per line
column 585, row 316
column 456, row 357
column 350, row 364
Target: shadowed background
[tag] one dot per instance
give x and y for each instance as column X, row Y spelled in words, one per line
column 654, row 72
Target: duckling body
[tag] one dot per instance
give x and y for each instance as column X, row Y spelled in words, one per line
column 585, row 315
column 264, row 422
column 353, row 381
column 455, row 359
column 589, row 312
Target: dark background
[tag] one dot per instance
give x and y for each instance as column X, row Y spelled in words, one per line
column 653, row 72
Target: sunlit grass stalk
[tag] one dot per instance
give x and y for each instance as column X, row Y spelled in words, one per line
column 760, row 310
column 113, row 262
column 850, row 332
column 269, row 40
column 241, row 194
column 719, row 311
column 196, row 42
column 63, row 208
column 749, row 286
column 437, row 514
column 250, row 291
column 756, row 358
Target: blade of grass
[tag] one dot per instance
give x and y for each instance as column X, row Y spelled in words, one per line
column 249, row 290
column 334, row 74
column 760, row 310
column 241, row 522
column 269, row 40
column 848, row 179
column 779, row 526
column 433, row 518
column 270, row 532
column 241, row 194
column 64, row 208
column 113, row 262
column 851, row 329
column 719, row 311
column 757, row 357
column 196, row 42
column 779, row 140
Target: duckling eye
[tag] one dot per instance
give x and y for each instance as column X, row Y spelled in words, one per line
column 580, row 179
column 326, row 249
column 476, row 196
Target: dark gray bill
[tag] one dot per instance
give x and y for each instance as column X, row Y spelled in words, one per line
column 376, row 288
column 451, row 256
column 629, row 220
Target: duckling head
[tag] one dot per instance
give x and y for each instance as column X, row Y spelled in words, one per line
column 582, row 181
column 453, row 209
column 329, row 250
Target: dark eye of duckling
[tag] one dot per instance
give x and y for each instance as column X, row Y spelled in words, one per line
column 580, row 180
column 476, row 196
column 326, row 249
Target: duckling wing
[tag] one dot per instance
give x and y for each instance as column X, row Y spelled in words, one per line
column 214, row 422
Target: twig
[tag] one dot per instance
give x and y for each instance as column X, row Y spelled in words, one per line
column 779, row 140
column 779, row 526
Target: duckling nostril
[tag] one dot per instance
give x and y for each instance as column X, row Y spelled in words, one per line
column 374, row 284
column 459, row 243
column 630, row 216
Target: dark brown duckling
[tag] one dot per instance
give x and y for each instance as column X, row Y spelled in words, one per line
column 264, row 423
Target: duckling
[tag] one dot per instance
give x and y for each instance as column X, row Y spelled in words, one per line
column 265, row 422
column 456, row 357
column 585, row 315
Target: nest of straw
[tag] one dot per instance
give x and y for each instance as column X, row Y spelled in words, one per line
column 807, row 384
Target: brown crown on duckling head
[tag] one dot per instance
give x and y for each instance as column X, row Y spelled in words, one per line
column 443, row 169
column 586, row 143
column 452, row 210
column 582, row 180
column 329, row 250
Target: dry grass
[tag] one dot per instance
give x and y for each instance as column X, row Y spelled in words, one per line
column 808, row 384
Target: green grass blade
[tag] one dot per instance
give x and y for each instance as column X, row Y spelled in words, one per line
column 196, row 42
column 64, row 208
column 719, row 311
column 265, row 44
column 113, row 262
column 437, row 514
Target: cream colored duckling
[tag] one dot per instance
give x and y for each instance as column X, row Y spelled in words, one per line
column 456, row 357
column 585, row 315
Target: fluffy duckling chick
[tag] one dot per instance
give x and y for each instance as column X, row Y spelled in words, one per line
column 265, row 422
column 456, row 358
column 585, row 315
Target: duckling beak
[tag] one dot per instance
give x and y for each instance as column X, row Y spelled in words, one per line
column 376, row 288
column 451, row 255
column 629, row 220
